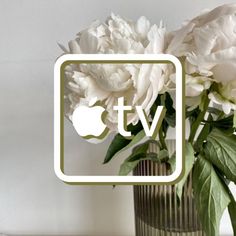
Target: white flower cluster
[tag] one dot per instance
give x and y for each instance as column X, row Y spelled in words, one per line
column 139, row 84
column 206, row 45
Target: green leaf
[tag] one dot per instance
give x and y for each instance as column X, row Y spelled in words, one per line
column 232, row 214
column 139, row 154
column 132, row 161
column 171, row 120
column 153, row 110
column 166, row 101
column 234, row 122
column 170, row 111
column 224, row 123
column 210, row 195
column 163, row 155
column 119, row 142
column 127, row 166
column 116, row 145
column 171, row 161
column 134, row 129
column 220, row 149
column 169, row 104
column 139, row 151
column 138, row 137
column 189, row 161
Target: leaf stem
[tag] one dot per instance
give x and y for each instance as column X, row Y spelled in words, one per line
column 162, row 139
column 198, row 121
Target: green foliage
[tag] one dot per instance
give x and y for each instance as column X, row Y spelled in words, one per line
column 127, row 166
column 195, row 125
column 120, row 143
column 140, row 154
column 132, row 161
column 138, row 137
column 220, row 149
column 116, row 145
column 170, row 113
column 203, row 135
column 210, row 195
column 224, row 123
column 234, row 121
column 139, row 151
column 189, row 161
column 166, row 101
column 192, row 115
column 210, row 153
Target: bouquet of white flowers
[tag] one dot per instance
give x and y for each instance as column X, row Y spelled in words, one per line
column 206, row 46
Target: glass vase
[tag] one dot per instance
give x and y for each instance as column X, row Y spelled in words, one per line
column 158, row 212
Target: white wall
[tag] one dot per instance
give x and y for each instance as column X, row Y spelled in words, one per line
column 32, row 199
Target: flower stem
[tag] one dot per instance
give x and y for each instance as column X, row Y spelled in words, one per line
column 162, row 139
column 198, row 121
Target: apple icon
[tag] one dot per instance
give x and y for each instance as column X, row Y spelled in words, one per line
column 88, row 122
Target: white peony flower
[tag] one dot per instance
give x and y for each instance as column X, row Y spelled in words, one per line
column 194, row 88
column 195, row 85
column 226, row 96
column 208, row 43
column 139, row 84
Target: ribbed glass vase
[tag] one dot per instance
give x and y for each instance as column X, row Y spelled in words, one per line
column 157, row 209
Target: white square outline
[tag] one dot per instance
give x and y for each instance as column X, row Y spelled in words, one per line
column 119, row 179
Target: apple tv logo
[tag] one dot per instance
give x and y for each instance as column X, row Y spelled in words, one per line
column 88, row 121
